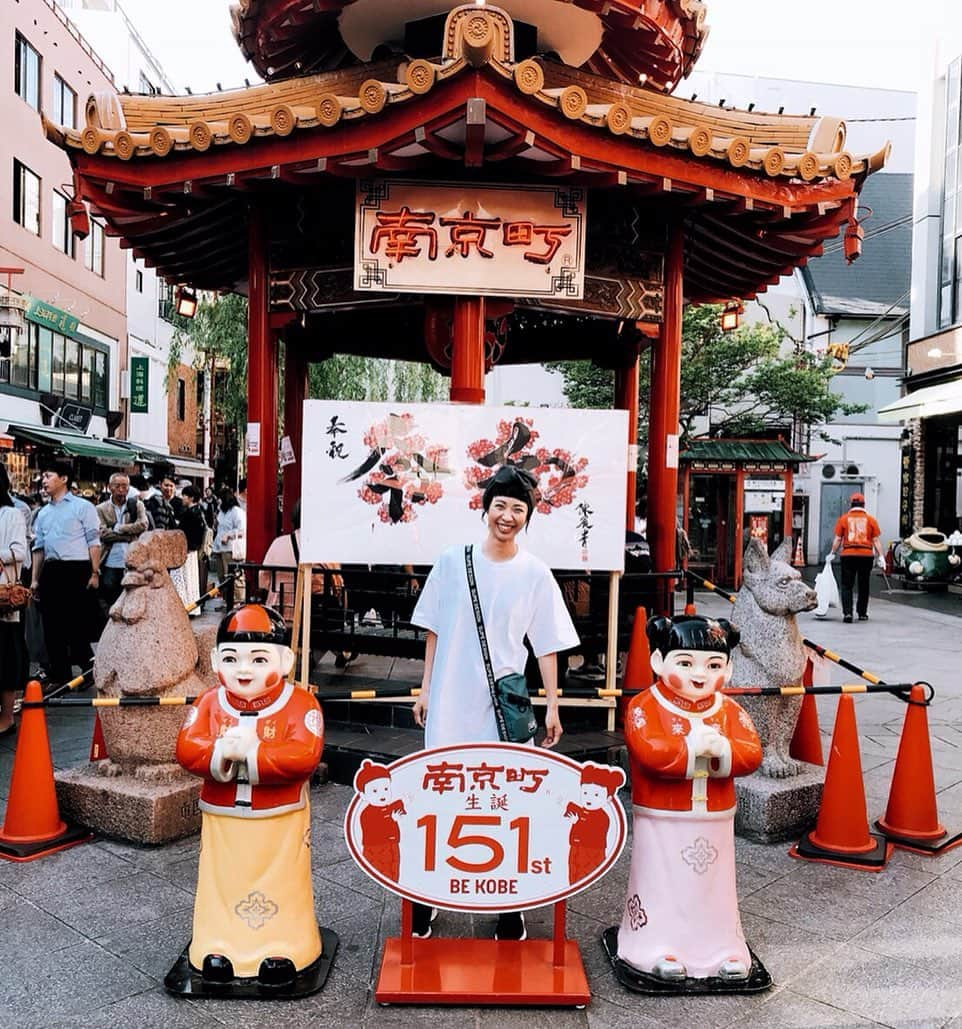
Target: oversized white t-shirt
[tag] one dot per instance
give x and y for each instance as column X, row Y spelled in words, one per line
column 519, row 598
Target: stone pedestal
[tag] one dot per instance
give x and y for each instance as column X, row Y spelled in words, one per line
column 773, row 810
column 128, row 807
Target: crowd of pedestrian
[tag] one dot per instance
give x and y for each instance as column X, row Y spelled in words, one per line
column 69, row 547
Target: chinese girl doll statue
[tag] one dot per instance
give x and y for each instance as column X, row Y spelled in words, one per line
column 255, row 741
column 686, row 741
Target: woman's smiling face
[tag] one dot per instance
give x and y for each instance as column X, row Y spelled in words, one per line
column 507, row 516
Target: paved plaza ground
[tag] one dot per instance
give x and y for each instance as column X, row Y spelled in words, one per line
column 87, row 935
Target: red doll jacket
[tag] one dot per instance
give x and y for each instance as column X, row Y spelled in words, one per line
column 286, row 738
column 665, row 775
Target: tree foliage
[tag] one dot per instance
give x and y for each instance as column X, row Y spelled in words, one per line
column 219, row 330
column 741, row 380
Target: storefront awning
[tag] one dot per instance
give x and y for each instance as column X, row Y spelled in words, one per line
column 191, row 467
column 73, row 444
column 946, row 398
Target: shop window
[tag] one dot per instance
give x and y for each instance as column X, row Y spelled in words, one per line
column 100, row 380
column 44, row 357
column 181, row 400
column 87, row 356
column 62, row 236
column 26, row 73
column 56, row 365
column 64, row 104
column 94, row 248
column 71, row 369
column 26, row 198
column 23, row 359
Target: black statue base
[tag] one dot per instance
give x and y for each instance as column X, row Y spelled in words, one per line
column 183, row 980
column 641, row 982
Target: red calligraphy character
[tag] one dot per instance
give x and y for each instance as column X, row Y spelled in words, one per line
column 472, row 803
column 444, row 778
column 485, row 775
column 499, row 802
column 400, row 231
column 521, row 775
column 469, row 231
column 521, row 234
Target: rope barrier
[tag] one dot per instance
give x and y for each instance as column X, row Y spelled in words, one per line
column 581, row 693
column 817, row 647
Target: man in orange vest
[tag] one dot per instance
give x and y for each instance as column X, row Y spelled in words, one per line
column 859, row 535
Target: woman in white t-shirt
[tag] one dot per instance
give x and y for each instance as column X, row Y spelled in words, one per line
column 519, row 599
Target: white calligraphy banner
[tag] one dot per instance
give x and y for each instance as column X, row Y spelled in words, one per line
column 399, row 483
column 489, row 240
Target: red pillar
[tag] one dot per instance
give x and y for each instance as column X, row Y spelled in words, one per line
column 788, row 532
column 626, row 399
column 261, row 396
column 738, row 533
column 665, row 408
column 467, row 351
column 295, row 392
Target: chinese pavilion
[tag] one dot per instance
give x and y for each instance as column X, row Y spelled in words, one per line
column 254, row 190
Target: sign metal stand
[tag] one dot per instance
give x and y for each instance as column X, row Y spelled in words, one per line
column 534, row 972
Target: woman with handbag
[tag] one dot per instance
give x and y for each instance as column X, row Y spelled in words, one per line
column 478, row 605
column 13, row 598
column 229, row 541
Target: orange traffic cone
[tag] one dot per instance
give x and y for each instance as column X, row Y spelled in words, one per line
column 798, row 561
column 911, row 820
column 98, row 745
column 638, row 675
column 33, row 826
column 806, row 744
column 841, row 835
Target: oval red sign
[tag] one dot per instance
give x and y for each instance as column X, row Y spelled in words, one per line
column 486, row 826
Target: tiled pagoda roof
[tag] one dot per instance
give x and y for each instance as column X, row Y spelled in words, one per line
column 657, row 39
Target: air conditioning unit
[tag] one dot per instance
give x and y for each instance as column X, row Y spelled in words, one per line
column 840, row 471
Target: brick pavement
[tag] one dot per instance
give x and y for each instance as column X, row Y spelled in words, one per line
column 88, row 934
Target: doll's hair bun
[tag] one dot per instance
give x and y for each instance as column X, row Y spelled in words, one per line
column 692, row 632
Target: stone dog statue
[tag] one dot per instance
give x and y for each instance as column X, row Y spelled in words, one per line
column 147, row 650
column 771, row 651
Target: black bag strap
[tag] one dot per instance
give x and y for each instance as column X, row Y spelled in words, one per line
column 295, row 548
column 483, row 640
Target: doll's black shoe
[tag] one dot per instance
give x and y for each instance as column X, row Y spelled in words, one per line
column 217, row 969
column 276, row 972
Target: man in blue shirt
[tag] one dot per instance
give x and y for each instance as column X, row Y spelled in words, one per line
column 66, row 572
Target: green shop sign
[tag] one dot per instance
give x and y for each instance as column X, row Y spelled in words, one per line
column 52, row 318
column 139, row 384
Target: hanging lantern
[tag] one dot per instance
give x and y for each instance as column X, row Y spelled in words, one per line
column 731, row 313
column 185, row 302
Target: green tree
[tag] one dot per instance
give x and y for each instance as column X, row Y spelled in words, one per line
column 740, row 379
column 218, row 331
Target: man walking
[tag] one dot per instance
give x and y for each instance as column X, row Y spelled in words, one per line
column 122, row 519
column 66, row 572
column 859, row 535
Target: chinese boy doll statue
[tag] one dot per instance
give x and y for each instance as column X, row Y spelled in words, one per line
column 255, row 741
column 686, row 741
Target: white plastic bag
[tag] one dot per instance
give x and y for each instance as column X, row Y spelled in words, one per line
column 826, row 589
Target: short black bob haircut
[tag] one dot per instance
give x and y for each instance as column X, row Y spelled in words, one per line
column 692, row 632
column 512, row 482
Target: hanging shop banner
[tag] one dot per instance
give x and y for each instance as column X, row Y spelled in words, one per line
column 486, row 827
column 398, row 483
column 490, row 240
column 139, row 385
